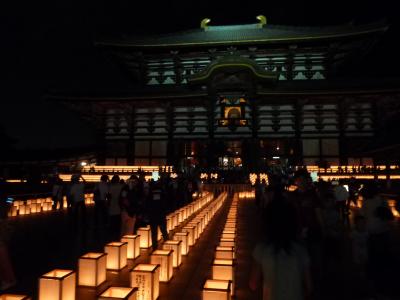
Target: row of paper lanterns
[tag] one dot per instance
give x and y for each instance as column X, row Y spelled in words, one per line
column 221, row 286
column 247, row 195
column 32, row 206
column 144, row 277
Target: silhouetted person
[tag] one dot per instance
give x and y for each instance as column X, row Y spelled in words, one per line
column 7, row 277
column 129, row 205
column 310, row 220
column 157, row 211
column 114, row 209
column 77, row 198
column 101, row 195
column 341, row 197
column 281, row 262
column 378, row 216
column 57, row 193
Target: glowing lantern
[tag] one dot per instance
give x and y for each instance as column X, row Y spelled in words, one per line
column 119, row 293
column 224, row 269
column 13, row 211
column 191, row 231
column 184, row 237
column 227, row 242
column 116, row 255
column 145, row 237
column 57, row 285
column 175, row 246
column 24, row 209
column 174, row 220
column 169, row 223
column 230, row 226
column 133, row 245
column 35, row 207
column 224, row 252
column 47, row 206
column 14, row 297
column 214, row 289
column 226, row 234
column 165, row 260
column 146, row 278
column 92, row 269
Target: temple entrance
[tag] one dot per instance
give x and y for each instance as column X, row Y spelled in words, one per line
column 231, row 158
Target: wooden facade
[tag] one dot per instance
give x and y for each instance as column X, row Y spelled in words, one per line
column 240, row 95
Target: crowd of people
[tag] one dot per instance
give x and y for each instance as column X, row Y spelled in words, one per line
column 306, row 226
column 119, row 207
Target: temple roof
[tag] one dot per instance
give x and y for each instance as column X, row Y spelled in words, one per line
column 246, row 34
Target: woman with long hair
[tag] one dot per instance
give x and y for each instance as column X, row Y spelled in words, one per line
column 281, row 262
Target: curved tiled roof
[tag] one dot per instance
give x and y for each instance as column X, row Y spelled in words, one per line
column 246, row 34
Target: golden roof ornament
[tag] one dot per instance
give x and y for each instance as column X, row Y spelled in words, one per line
column 204, row 23
column 263, row 21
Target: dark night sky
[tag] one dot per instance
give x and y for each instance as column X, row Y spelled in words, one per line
column 48, row 44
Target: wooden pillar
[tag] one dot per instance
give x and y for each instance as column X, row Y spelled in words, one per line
column 171, row 159
column 298, row 121
column 342, row 110
column 131, row 142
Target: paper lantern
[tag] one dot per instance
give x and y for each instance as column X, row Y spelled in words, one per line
column 57, row 285
column 174, row 220
column 191, row 231
column 146, row 278
column 13, row 211
column 35, row 207
column 116, row 255
column 14, row 297
column 169, row 223
column 145, row 237
column 47, row 206
column 224, row 269
column 175, row 246
column 165, row 260
column 214, row 289
column 228, row 242
column 119, row 293
column 226, row 234
column 24, row 209
column 224, row 252
column 184, row 237
column 92, row 269
column 133, row 245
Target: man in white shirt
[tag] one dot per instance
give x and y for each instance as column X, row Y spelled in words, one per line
column 341, row 196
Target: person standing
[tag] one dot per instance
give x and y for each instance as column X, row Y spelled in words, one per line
column 280, row 262
column 310, row 220
column 77, row 196
column 157, row 211
column 57, row 193
column 129, row 206
column 7, row 277
column 341, row 196
column 114, row 209
column 101, row 195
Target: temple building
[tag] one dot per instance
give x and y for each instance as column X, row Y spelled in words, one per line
column 240, row 96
